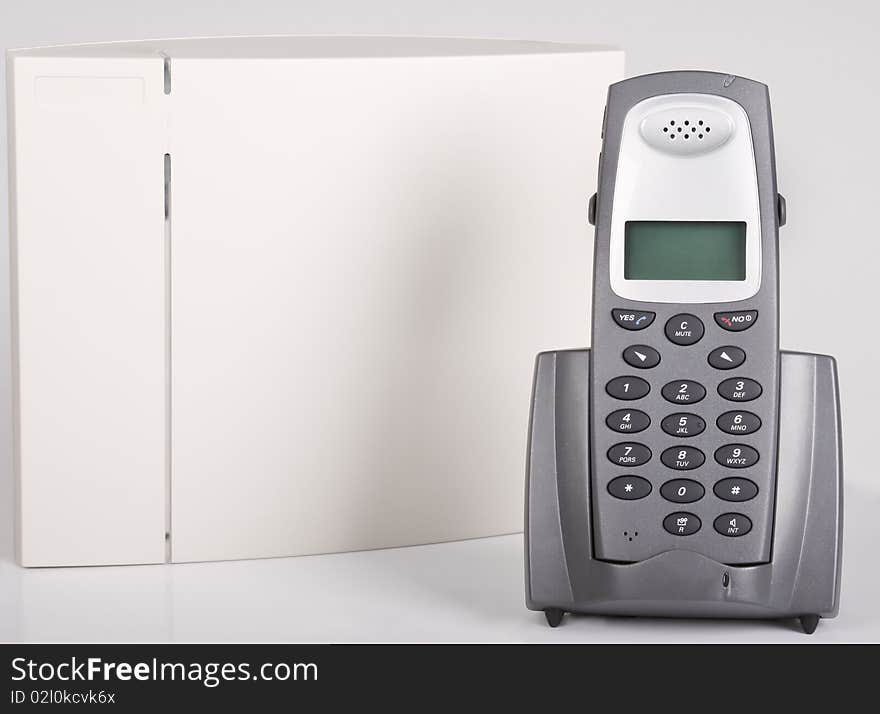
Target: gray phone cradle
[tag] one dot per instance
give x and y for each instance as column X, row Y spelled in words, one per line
column 802, row 578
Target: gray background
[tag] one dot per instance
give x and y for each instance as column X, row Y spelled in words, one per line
column 820, row 62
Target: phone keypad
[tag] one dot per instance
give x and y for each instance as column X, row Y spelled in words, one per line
column 710, row 483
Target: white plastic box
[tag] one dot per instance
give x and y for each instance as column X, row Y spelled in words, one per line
column 319, row 335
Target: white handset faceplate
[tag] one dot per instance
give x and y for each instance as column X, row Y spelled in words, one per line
column 708, row 176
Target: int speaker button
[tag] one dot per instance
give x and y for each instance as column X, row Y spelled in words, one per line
column 684, row 329
column 732, row 525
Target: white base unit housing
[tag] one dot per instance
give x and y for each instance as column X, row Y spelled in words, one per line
column 281, row 295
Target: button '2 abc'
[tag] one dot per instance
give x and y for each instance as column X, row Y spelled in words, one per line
column 683, row 391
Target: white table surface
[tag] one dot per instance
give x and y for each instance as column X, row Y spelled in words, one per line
column 469, row 591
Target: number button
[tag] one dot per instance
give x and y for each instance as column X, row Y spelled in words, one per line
column 629, row 454
column 641, row 356
column 727, row 357
column 735, row 489
column 682, row 458
column 739, row 422
column 732, row 525
column 628, row 421
column 629, row 488
column 632, row 319
column 736, row 456
column 683, row 425
column 683, row 391
column 681, row 524
column 739, row 389
column 682, row 490
column 627, row 388
column 736, row 321
column 684, row 329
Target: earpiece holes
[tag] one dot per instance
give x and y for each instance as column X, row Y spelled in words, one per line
column 671, row 129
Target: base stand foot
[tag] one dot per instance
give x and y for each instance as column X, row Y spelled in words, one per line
column 554, row 616
column 809, row 623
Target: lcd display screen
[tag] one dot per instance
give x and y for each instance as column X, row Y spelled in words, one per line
column 685, row 250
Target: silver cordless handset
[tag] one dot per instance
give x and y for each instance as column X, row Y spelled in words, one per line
column 688, row 437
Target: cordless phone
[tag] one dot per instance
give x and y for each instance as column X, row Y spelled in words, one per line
column 684, row 465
